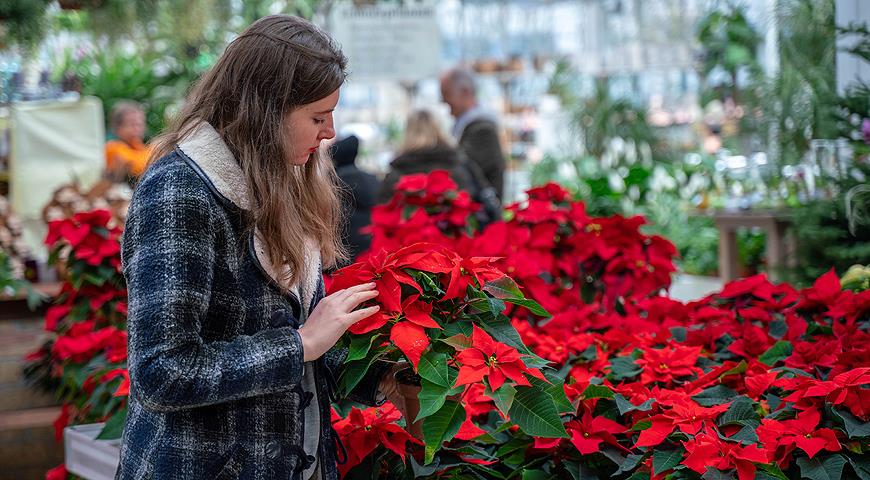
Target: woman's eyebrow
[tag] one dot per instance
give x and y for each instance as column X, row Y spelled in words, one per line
column 325, row 111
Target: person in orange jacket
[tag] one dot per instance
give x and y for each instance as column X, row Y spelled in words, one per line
column 126, row 154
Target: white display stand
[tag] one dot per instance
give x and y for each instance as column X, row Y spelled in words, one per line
column 87, row 457
column 52, row 143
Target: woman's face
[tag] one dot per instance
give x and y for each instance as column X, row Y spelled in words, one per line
column 308, row 125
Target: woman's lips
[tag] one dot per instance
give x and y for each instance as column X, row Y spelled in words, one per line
column 312, row 150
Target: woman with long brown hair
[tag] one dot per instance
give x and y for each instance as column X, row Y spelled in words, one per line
column 230, row 336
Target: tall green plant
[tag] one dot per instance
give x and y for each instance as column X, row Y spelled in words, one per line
column 799, row 103
column 601, row 118
column 729, row 44
column 854, row 104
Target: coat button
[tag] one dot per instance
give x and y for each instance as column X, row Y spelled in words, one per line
column 273, row 449
column 279, row 319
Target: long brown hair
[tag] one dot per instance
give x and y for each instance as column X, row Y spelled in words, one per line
column 422, row 130
column 277, row 64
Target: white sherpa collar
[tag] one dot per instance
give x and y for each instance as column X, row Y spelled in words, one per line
column 205, row 147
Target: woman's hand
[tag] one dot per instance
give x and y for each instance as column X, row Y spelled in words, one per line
column 332, row 316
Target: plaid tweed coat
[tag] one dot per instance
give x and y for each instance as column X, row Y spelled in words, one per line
column 215, row 360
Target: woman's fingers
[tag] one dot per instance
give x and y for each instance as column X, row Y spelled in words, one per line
column 360, row 297
column 357, row 288
column 361, row 314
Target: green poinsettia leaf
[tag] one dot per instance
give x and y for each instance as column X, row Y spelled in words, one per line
column 503, row 288
column 501, row 330
column 433, row 367
column 507, row 290
column 623, row 368
column 534, row 411
column 830, row 468
column 625, row 406
column 530, row 305
column 360, row 345
column 441, row 427
column 855, row 428
column 354, row 371
column 779, row 351
column 432, row 397
column 503, row 397
column 458, row 341
column 740, row 412
column 597, row 391
column 716, row 395
column 772, row 471
column 665, row 460
column 555, row 389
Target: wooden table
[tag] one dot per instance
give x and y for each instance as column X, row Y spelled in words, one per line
column 778, row 245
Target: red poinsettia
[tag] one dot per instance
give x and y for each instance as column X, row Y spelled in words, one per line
column 782, row 437
column 385, row 270
column 124, row 387
column 410, row 335
column 364, row 430
column 474, row 271
column 494, row 361
column 589, row 432
column 668, row 364
column 90, row 236
column 708, row 450
column 680, row 412
column 82, row 343
column 848, row 389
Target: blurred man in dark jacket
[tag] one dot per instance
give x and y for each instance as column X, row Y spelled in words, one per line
column 361, row 196
column 475, row 129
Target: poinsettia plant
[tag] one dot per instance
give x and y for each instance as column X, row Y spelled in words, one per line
column 756, row 381
column 84, row 361
column 424, row 208
column 443, row 315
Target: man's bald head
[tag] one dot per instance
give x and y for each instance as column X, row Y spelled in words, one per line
column 458, row 90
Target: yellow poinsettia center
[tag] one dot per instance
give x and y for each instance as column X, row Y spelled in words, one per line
column 662, row 366
column 586, row 434
column 594, row 228
column 492, row 361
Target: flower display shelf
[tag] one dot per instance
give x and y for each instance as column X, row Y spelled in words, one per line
column 88, row 457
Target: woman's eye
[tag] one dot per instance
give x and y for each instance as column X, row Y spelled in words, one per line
column 319, row 121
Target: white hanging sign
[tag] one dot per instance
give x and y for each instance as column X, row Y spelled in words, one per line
column 387, row 41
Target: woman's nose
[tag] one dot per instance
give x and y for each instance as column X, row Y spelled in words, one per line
column 328, row 132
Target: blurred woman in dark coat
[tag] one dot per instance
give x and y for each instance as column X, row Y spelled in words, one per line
column 427, row 148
